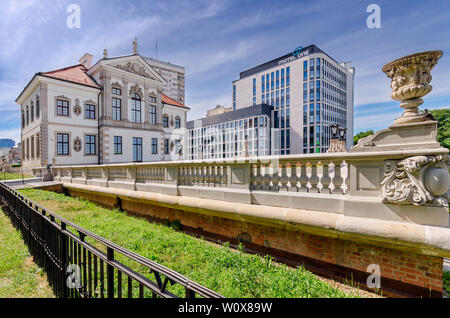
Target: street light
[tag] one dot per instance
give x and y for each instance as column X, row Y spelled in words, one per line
column 342, row 132
column 334, row 130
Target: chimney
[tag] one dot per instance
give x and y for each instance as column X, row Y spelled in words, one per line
column 86, row 60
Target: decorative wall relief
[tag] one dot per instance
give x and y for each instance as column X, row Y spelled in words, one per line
column 77, row 144
column 77, row 108
column 418, row 180
column 135, row 89
column 135, row 69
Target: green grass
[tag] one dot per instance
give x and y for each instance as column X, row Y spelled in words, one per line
column 229, row 272
column 13, row 176
column 447, row 282
column 19, row 276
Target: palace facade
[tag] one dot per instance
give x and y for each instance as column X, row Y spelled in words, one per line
column 121, row 109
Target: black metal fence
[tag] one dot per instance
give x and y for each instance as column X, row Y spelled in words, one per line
column 81, row 264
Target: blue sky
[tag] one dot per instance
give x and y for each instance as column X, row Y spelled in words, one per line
column 215, row 40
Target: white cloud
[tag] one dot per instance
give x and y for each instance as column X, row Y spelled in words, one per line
column 11, row 134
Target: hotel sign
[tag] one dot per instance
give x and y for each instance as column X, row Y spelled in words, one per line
column 298, row 53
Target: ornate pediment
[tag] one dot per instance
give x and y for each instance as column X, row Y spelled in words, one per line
column 135, row 68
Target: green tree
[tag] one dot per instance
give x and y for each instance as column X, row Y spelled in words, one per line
column 362, row 134
column 443, row 133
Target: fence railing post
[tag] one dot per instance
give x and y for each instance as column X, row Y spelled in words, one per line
column 110, row 273
column 63, row 260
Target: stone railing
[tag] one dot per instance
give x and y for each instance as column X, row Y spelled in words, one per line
column 405, row 185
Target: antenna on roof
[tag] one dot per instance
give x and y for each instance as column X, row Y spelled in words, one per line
column 156, row 48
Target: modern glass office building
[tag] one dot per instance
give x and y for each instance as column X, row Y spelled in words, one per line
column 308, row 91
column 240, row 133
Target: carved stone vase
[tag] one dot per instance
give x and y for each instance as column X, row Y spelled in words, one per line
column 410, row 81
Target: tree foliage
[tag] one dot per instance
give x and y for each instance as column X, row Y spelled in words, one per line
column 361, row 135
column 443, row 118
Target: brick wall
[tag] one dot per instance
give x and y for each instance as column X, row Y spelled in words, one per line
column 399, row 269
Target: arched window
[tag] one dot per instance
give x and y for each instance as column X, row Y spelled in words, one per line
column 32, row 111
column 23, row 119
column 135, row 108
column 28, row 116
column 38, row 108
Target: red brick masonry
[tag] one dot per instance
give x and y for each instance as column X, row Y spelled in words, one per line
column 421, row 271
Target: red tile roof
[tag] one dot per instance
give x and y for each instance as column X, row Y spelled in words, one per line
column 169, row 101
column 76, row 74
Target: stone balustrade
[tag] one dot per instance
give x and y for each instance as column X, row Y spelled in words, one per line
column 351, row 183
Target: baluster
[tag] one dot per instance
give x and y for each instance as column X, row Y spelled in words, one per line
column 331, row 175
column 314, row 179
column 337, row 180
column 308, row 176
column 319, row 172
column 270, row 177
column 216, row 176
column 304, row 179
column 255, row 177
column 262, row 178
column 298, row 174
column 288, row 176
column 280, row 177
column 210, row 177
column 345, row 177
column 325, row 180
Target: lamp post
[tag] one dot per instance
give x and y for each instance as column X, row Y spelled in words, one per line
column 342, row 133
column 337, row 142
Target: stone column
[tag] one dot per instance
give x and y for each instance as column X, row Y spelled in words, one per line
column 107, row 101
column 145, row 105
column 124, row 107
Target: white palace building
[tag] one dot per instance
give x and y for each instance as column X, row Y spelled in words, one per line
column 121, row 109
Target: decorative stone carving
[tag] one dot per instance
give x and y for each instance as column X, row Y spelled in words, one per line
column 135, row 69
column 116, row 85
column 410, row 80
column 337, row 145
column 135, row 89
column 419, row 180
column 77, row 110
column 77, row 144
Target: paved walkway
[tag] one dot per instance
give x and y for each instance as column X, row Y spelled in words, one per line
column 35, row 185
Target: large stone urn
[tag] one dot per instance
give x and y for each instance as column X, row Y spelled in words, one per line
column 410, row 81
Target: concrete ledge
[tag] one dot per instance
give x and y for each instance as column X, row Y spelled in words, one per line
column 223, row 194
column 415, row 238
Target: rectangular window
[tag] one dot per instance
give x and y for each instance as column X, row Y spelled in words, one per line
column 267, row 82
column 62, row 107
column 166, row 146
column 89, row 111
column 137, row 149
column 90, row 145
column 62, row 144
column 278, row 79
column 154, row 146
column 282, row 78
column 116, row 91
column 117, row 145
column 288, row 76
column 165, row 121
column 254, row 87
column 152, row 99
column 178, row 121
column 153, row 115
column 305, row 70
column 116, row 108
column 271, row 80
